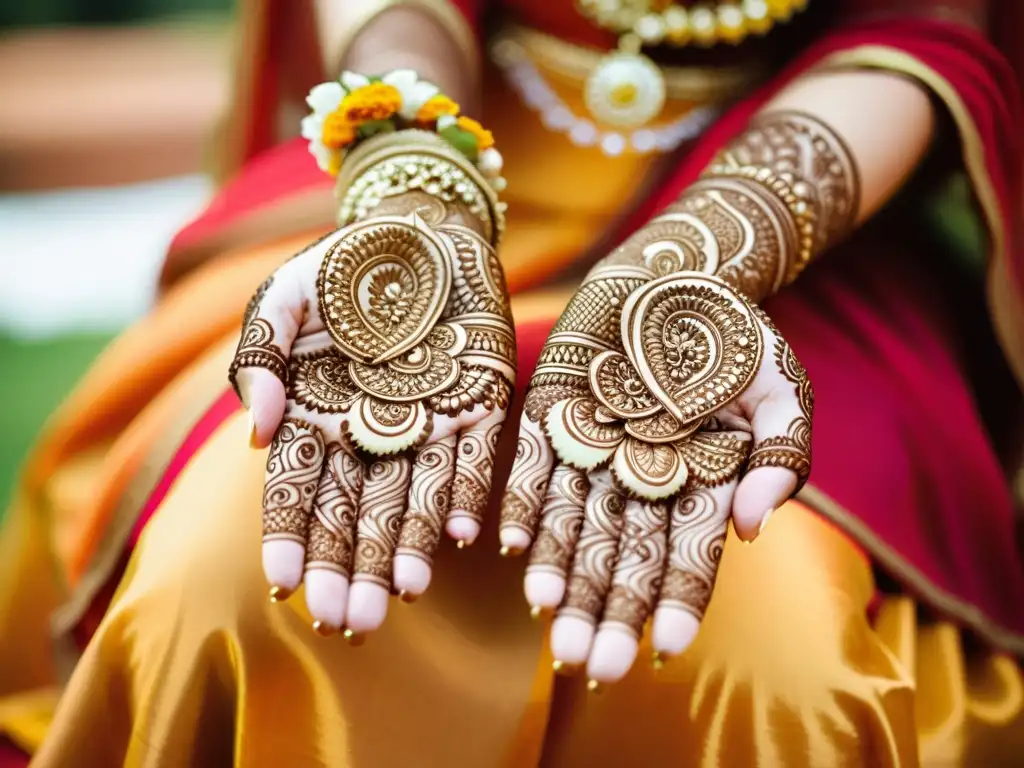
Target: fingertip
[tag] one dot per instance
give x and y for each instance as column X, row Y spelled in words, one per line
column 411, row 575
column 759, row 492
column 326, row 597
column 612, row 656
column 571, row 639
column 673, row 630
column 367, row 607
column 514, row 538
column 543, row 590
column 264, row 396
column 283, row 563
column 463, row 529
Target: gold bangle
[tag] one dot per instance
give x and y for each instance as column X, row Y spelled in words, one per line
column 395, row 163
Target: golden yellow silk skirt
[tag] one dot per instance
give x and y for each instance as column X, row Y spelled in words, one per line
column 193, row 666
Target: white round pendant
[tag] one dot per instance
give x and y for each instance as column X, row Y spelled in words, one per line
column 626, row 90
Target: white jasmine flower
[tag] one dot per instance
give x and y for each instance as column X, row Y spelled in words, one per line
column 351, row 81
column 323, row 99
column 446, row 121
column 490, row 163
column 415, row 92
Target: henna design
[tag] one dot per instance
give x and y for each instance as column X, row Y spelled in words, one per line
column 690, row 345
column 320, row 382
column 380, row 516
column 521, row 505
column 429, row 496
column 642, row 550
column 293, row 472
column 336, row 511
column 596, row 552
column 257, row 349
column 472, row 483
column 697, row 529
column 560, row 525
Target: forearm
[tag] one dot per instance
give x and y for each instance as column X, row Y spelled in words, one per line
column 409, row 37
column 819, row 159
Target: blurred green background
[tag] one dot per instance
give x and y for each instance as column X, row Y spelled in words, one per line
column 67, row 13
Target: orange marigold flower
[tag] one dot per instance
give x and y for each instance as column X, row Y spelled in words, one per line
column 338, row 132
column 484, row 138
column 376, row 101
column 435, row 107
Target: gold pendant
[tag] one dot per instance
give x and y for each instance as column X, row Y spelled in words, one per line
column 626, row 89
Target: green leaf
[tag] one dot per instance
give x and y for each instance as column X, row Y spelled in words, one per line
column 372, row 128
column 464, row 141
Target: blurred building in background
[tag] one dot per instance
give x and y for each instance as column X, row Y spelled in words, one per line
column 106, row 109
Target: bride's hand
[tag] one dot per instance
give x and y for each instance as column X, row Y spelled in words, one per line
column 660, row 408
column 377, row 364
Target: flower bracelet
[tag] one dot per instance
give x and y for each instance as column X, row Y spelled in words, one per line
column 356, row 107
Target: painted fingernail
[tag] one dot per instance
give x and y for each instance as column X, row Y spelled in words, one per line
column 539, row 612
column 657, row 661
column 407, row 597
column 461, row 543
column 764, row 521
column 510, row 551
column 323, row 629
column 353, row 639
column 252, row 430
column 564, row 668
column 277, row 594
column 595, row 687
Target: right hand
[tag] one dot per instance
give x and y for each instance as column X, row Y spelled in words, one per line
column 378, row 365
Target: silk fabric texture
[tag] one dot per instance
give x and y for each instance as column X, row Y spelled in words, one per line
column 791, row 666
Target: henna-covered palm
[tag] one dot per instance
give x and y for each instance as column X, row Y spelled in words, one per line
column 380, row 361
column 661, row 407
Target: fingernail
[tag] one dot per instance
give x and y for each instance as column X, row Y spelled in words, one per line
column 252, row 430
column 323, row 629
column 510, row 551
column 539, row 612
column 564, row 668
column 657, row 661
column 764, row 521
column 407, row 597
column 462, row 543
column 353, row 639
column 595, row 687
column 277, row 594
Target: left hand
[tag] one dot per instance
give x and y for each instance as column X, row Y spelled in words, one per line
column 650, row 399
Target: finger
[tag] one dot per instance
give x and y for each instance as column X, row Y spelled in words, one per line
column 697, row 528
column 380, row 515
column 779, row 461
column 329, row 552
column 524, row 497
column 429, row 496
column 559, row 531
column 259, row 369
column 472, row 484
column 590, row 580
column 635, row 583
column 293, row 473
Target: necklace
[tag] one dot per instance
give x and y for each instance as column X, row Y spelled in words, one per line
column 528, row 83
column 626, row 88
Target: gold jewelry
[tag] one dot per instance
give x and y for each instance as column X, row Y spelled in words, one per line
column 398, row 163
column 627, row 88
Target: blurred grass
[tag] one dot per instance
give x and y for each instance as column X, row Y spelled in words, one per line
column 36, row 377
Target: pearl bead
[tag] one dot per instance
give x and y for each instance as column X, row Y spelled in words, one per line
column 651, row 28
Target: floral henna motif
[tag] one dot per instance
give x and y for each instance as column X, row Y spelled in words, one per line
column 293, row 473
column 689, row 346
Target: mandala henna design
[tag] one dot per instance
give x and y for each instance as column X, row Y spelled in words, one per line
column 638, row 573
column 257, row 349
column 689, row 346
column 429, row 497
column 697, row 529
column 335, row 512
column 561, row 522
column 475, row 464
column 293, row 473
column 420, row 323
column 596, row 551
column 380, row 516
